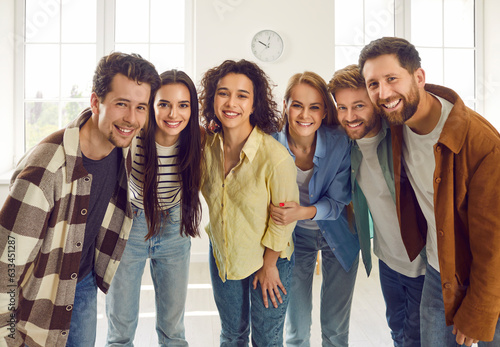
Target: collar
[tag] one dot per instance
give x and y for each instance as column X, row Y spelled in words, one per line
column 321, row 143
column 73, row 152
column 251, row 145
column 385, row 129
column 455, row 129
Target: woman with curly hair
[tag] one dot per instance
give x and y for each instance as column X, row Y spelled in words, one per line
column 164, row 192
column 246, row 170
column 321, row 151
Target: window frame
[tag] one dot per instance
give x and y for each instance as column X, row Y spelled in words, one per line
column 105, row 43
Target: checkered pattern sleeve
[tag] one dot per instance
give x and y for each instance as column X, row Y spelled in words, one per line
column 23, row 221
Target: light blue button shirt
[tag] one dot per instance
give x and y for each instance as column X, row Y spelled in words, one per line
column 330, row 191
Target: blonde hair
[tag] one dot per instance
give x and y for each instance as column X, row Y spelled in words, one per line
column 347, row 78
column 317, row 82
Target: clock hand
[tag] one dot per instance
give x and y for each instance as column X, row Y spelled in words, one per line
column 262, row 43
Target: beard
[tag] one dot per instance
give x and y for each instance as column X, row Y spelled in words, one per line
column 410, row 106
column 369, row 125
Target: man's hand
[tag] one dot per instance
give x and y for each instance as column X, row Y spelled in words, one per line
column 462, row 338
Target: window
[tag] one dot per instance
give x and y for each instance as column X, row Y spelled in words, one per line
column 63, row 40
column 443, row 32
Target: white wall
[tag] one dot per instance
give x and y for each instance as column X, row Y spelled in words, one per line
column 224, row 29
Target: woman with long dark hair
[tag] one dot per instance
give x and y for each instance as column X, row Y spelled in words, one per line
column 164, row 192
column 250, row 256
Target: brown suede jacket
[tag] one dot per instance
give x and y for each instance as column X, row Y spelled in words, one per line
column 467, row 213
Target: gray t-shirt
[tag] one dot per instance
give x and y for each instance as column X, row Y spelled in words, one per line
column 104, row 179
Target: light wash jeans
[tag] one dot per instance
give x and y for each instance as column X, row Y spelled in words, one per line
column 169, row 253
column 240, row 306
column 336, row 292
column 433, row 329
column 402, row 296
column 82, row 330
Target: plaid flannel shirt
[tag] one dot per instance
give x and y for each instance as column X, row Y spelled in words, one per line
column 42, row 227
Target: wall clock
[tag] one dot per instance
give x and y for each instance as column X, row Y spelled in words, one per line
column 267, row 45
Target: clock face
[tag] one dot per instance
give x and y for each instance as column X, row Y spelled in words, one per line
column 267, row 45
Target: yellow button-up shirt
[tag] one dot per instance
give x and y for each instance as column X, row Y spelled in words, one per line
column 240, row 226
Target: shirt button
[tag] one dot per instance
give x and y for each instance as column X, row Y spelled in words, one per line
column 78, row 244
column 312, row 195
column 222, row 185
column 441, row 232
column 447, row 285
column 83, row 212
column 438, row 148
column 74, row 275
column 333, row 249
column 69, row 307
column 222, row 205
column 352, row 170
column 64, row 333
column 438, row 179
column 87, row 179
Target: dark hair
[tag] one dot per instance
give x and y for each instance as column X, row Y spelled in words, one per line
column 189, row 164
column 317, row 82
column 132, row 66
column 406, row 53
column 346, row 78
column 265, row 115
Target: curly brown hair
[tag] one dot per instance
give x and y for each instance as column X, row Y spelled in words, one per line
column 266, row 115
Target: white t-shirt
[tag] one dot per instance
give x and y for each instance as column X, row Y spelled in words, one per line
column 169, row 181
column 303, row 178
column 419, row 162
column 387, row 242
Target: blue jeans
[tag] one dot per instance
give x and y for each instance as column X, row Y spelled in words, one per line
column 402, row 296
column 169, row 253
column 336, row 292
column 240, row 306
column 434, row 331
column 82, row 330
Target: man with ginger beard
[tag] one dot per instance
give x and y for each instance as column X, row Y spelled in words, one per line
column 374, row 195
column 450, row 155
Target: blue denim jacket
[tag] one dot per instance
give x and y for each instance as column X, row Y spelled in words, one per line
column 330, row 191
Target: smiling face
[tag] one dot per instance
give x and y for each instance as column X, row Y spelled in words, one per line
column 233, row 102
column 392, row 89
column 172, row 107
column 122, row 112
column 305, row 110
column 356, row 113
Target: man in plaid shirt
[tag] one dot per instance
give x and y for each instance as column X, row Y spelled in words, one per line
column 66, row 220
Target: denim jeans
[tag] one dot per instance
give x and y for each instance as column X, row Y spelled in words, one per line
column 336, row 292
column 402, row 296
column 434, row 331
column 82, row 330
column 241, row 307
column 169, row 253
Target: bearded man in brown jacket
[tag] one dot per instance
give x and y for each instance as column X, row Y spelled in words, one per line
column 450, row 155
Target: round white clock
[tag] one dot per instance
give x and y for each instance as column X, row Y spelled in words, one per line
column 267, row 45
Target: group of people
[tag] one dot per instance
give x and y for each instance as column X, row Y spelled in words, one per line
column 375, row 156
